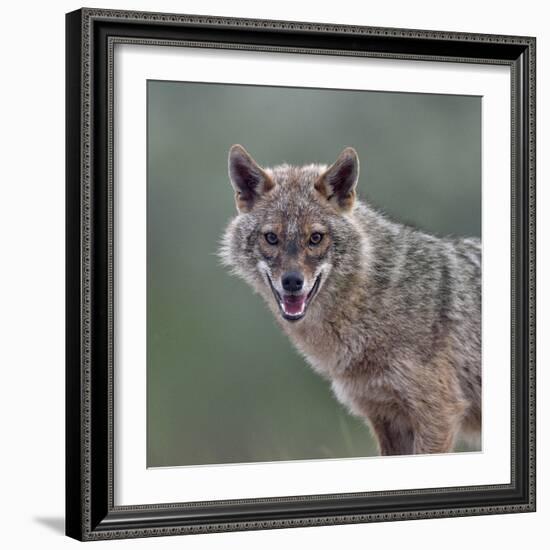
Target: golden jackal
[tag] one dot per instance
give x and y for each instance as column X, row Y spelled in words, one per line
column 389, row 314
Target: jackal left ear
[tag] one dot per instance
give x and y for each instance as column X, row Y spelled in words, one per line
column 249, row 180
column 338, row 183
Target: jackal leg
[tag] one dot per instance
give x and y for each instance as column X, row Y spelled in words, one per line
column 431, row 427
column 438, row 434
column 436, row 406
column 395, row 436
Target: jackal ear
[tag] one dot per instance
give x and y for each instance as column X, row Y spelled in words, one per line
column 337, row 184
column 249, row 180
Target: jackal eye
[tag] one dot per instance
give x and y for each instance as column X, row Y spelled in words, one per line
column 271, row 238
column 315, row 238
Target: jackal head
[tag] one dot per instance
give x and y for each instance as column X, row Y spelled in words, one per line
column 294, row 238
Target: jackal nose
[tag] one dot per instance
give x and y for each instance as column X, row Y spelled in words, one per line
column 292, row 281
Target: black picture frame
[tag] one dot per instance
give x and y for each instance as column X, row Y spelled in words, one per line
column 90, row 510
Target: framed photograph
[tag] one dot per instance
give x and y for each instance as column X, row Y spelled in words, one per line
column 300, row 274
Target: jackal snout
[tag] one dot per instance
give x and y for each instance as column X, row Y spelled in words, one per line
column 292, row 281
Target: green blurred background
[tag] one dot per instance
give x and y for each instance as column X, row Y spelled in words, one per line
column 223, row 383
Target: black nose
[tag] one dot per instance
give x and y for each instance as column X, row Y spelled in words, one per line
column 292, row 281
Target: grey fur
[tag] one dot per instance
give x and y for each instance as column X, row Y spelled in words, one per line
column 396, row 322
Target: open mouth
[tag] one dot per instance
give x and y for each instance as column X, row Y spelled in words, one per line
column 294, row 306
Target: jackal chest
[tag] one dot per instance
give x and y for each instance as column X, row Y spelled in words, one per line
column 360, row 394
column 326, row 355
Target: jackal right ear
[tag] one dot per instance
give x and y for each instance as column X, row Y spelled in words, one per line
column 249, row 180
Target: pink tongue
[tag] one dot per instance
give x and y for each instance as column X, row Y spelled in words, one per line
column 294, row 304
